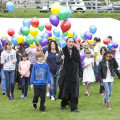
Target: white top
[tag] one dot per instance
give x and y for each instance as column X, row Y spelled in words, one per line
column 99, row 58
column 109, row 79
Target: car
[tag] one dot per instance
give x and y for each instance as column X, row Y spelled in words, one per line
column 111, row 8
column 74, row 5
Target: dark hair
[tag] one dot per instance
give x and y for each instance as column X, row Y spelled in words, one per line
column 69, row 38
column 49, row 40
column 105, row 54
column 105, row 49
column 39, row 54
column 24, row 54
column 110, row 37
column 56, row 46
column 21, row 47
column 97, row 39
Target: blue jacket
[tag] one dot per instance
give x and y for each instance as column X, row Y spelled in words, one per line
column 40, row 74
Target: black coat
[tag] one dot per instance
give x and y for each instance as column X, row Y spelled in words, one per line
column 103, row 68
column 69, row 76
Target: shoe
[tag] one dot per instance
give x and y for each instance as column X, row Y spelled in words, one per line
column 86, row 94
column 34, row 105
column 12, row 97
column 47, row 95
column 25, row 97
column 62, row 107
column 22, row 96
column 19, row 87
column 101, row 93
column 3, row 92
column 75, row 110
column 43, row 110
column 84, row 83
column 8, row 98
column 52, row 98
column 104, row 101
column 109, row 108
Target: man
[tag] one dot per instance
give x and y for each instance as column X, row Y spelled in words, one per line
column 69, row 76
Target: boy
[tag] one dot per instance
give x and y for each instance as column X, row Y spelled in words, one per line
column 39, row 78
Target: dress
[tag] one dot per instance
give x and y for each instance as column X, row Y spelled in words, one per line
column 88, row 73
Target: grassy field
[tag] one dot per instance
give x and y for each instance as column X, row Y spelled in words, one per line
column 91, row 108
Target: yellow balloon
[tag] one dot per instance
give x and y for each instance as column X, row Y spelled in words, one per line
column 33, row 45
column 55, row 8
column 91, row 41
column 33, row 31
column 59, row 48
column 20, row 38
column 53, row 38
column 4, row 35
column 70, row 34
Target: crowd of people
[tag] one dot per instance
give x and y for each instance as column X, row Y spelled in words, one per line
column 49, row 67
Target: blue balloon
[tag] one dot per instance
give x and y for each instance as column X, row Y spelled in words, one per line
column 84, row 37
column 10, row 6
column 110, row 45
column 62, row 43
column 70, row 13
column 93, row 29
column 14, row 40
column 62, row 36
column 75, row 36
column 1, row 47
column 45, row 35
column 56, row 32
column 26, row 22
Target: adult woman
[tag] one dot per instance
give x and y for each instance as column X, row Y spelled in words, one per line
column 50, row 58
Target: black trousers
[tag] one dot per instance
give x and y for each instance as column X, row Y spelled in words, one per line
column 101, row 89
column 39, row 91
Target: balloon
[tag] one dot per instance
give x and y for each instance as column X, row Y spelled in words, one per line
column 41, row 26
column 76, row 46
column 48, row 26
column 38, row 48
column 70, row 13
column 78, row 40
column 65, row 25
column 20, row 38
column 82, row 63
column 88, row 35
column 110, row 45
column 3, row 40
column 93, row 29
column 57, row 39
column 14, row 40
column 26, row 23
column 25, row 30
column 65, row 33
column 70, row 34
column 56, row 32
column 49, row 33
column 54, row 20
column 63, row 13
column 105, row 41
column 62, row 43
column 64, row 39
column 91, row 41
column 55, row 8
column 33, row 31
column 20, row 33
column 4, row 35
column 1, row 47
column 33, row 45
column 82, row 55
column 115, row 45
column 37, row 39
column 21, row 29
column 29, row 39
column 75, row 36
column 11, row 32
column 53, row 38
column 84, row 38
column 10, row 6
column 44, row 42
column 34, row 22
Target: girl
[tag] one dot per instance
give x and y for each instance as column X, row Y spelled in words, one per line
column 50, row 58
column 102, row 51
column 88, row 73
column 24, row 70
column 106, row 72
column 8, row 58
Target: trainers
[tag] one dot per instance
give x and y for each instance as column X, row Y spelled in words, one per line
column 47, row 95
column 101, row 93
column 35, row 105
column 104, row 101
column 75, row 110
column 12, row 97
column 84, row 83
column 52, row 98
column 8, row 98
column 109, row 108
column 62, row 107
column 25, row 97
column 22, row 96
column 43, row 110
column 3, row 93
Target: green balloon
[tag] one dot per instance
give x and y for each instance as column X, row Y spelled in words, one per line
column 73, row 32
column 57, row 39
column 20, row 33
column 37, row 39
column 25, row 31
column 82, row 36
column 63, row 13
column 65, row 34
column 29, row 39
column 41, row 26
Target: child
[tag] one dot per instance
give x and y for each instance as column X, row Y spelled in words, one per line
column 24, row 70
column 88, row 73
column 39, row 78
column 106, row 72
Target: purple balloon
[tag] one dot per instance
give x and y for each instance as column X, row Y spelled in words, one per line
column 88, row 35
column 44, row 42
column 3, row 40
column 115, row 45
column 54, row 20
column 49, row 33
column 82, row 63
column 21, row 29
column 82, row 55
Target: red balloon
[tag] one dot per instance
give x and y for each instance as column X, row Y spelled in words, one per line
column 34, row 22
column 78, row 40
column 76, row 46
column 11, row 32
column 38, row 48
column 48, row 26
column 65, row 25
column 105, row 41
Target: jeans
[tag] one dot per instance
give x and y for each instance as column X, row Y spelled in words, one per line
column 53, row 86
column 108, row 88
column 95, row 69
column 3, row 80
column 10, row 76
column 24, row 85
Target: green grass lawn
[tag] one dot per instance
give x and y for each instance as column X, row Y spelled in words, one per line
column 91, row 108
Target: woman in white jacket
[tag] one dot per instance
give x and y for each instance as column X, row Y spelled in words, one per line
column 8, row 59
